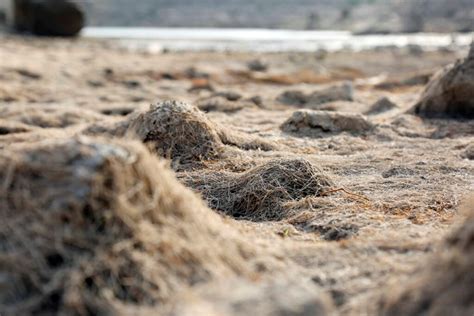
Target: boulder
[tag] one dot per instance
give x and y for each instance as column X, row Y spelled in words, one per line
column 450, row 93
column 47, row 17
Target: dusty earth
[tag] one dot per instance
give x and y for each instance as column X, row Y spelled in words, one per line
column 384, row 186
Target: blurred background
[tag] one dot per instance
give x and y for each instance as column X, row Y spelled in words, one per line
column 249, row 25
column 360, row 16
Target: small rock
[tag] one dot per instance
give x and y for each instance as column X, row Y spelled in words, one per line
column 469, row 152
column 95, row 83
column 131, row 84
column 257, row 65
column 200, row 84
column 382, row 105
column 317, row 122
column 293, row 97
column 29, row 74
column 411, row 80
column 344, row 92
column 193, row 73
column 398, row 172
column 415, row 50
column 219, row 104
column 120, row 111
column 257, row 100
column 229, row 95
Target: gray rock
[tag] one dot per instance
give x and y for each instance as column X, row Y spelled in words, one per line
column 220, row 104
column 229, row 95
column 450, row 93
column 382, row 105
column 343, row 92
column 293, row 97
column 257, row 65
column 309, row 123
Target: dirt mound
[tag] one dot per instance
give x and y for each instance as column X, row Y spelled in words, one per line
column 319, row 123
column 446, row 287
column 181, row 132
column 260, row 193
column 450, row 92
column 91, row 226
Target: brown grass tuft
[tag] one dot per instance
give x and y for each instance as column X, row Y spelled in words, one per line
column 183, row 133
column 260, row 193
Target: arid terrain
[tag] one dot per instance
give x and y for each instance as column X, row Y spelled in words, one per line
column 206, row 183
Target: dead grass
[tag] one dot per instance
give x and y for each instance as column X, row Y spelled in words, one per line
column 184, row 134
column 260, row 193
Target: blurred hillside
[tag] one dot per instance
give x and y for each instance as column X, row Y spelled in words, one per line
column 371, row 16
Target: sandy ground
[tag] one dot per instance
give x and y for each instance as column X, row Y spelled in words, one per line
column 403, row 180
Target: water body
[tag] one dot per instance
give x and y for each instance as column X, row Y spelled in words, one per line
column 265, row 40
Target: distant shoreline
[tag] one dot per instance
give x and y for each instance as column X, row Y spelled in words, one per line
column 267, row 40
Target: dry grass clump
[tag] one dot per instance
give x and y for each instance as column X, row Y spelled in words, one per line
column 49, row 116
column 178, row 130
column 446, row 286
column 92, row 226
column 181, row 132
column 260, row 193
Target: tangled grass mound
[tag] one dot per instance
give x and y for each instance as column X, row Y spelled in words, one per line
column 260, row 193
column 92, row 226
column 183, row 133
column 447, row 286
column 178, row 129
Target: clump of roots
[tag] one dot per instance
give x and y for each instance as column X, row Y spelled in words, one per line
column 260, row 194
column 90, row 226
